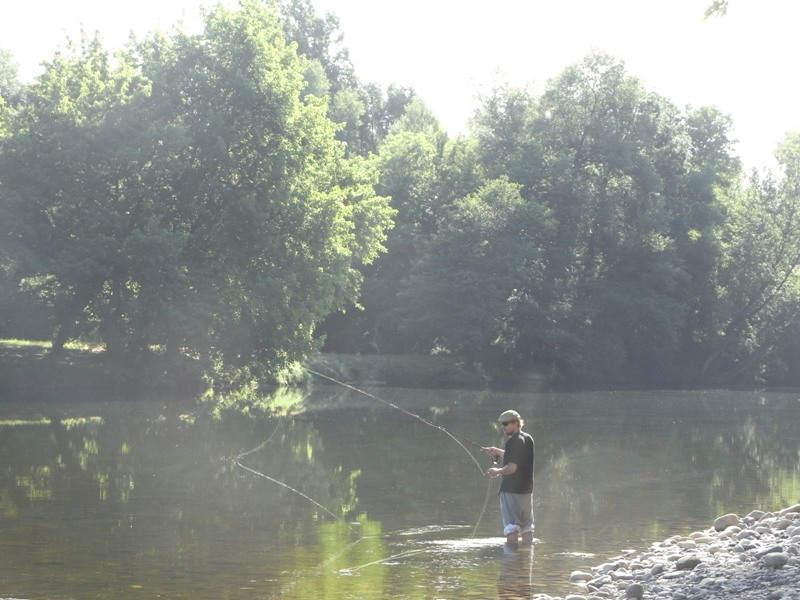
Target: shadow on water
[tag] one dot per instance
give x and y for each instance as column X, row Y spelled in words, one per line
column 352, row 499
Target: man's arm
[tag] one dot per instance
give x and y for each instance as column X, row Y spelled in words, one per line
column 508, row 469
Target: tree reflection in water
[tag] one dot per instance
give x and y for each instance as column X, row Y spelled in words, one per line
column 112, row 498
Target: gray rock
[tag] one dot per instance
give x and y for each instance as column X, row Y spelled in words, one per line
column 782, row 524
column 687, row 563
column 725, row 521
column 634, row 590
column 776, row 559
column 763, row 563
column 769, row 550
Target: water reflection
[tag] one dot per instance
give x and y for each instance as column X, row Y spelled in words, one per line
column 131, row 500
column 515, row 581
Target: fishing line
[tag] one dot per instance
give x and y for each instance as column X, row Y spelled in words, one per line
column 264, row 443
column 238, row 461
column 454, row 436
column 382, row 560
column 288, row 487
column 483, row 510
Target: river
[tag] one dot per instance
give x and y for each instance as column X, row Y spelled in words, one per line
column 344, row 496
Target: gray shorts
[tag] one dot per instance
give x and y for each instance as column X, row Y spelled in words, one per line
column 517, row 512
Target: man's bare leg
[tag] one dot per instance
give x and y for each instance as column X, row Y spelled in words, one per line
column 527, row 537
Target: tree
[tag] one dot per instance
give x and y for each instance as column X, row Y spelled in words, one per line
column 196, row 197
column 505, row 137
column 382, row 109
column 423, row 172
column 11, row 89
column 699, row 214
column 630, row 183
column 363, row 112
column 10, row 97
column 462, row 294
column 760, row 275
column 610, row 153
column 320, row 40
column 717, row 8
column 407, row 174
column 64, row 169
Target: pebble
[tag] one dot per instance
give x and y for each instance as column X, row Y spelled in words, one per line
column 755, row 557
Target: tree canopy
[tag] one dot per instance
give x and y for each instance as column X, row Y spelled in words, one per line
column 189, row 196
column 239, row 199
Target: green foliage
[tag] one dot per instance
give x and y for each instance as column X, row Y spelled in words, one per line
column 476, row 270
column 224, row 199
column 364, row 112
column 11, row 89
column 423, row 172
column 248, row 399
column 717, row 8
column 319, row 39
column 592, row 251
column 760, row 274
column 191, row 197
column 583, row 234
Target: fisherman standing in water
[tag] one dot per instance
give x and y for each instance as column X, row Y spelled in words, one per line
column 516, row 490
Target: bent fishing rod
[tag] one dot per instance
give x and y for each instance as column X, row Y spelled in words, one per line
column 428, row 422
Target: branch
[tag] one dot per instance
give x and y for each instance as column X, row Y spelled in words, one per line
column 718, row 8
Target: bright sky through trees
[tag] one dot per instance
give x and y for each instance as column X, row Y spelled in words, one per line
column 450, row 50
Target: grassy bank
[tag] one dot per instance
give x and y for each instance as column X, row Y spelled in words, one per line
column 29, row 365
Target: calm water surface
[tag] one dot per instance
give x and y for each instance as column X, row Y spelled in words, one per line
column 351, row 498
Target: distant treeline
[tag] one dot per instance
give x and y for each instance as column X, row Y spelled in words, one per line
column 238, row 198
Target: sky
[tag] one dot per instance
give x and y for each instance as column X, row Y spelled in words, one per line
column 451, row 51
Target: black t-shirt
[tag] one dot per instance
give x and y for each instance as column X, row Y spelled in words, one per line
column 519, row 450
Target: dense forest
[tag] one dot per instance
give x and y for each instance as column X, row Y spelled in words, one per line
column 239, row 199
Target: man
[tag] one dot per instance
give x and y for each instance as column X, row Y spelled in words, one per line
column 516, row 491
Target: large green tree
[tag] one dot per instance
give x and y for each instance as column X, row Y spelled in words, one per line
column 64, row 170
column 759, row 275
column 423, row 172
column 630, row 183
column 363, row 112
column 10, row 97
column 462, row 294
column 192, row 196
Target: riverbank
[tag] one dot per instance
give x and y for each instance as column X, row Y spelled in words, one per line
column 430, row 372
column 31, row 366
column 755, row 557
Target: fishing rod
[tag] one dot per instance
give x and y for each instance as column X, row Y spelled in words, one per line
column 428, row 422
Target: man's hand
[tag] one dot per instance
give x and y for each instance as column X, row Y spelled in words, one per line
column 494, row 452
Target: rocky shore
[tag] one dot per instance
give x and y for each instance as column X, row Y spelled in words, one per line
column 755, row 557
